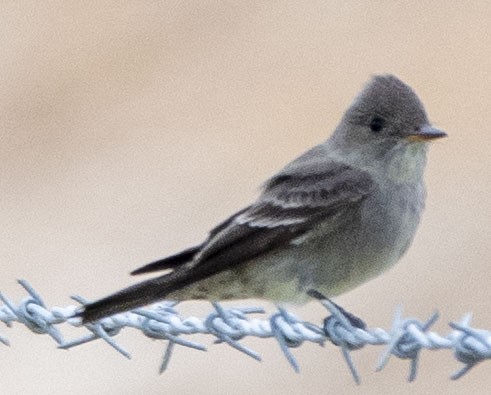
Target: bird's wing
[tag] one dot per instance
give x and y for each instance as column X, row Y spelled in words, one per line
column 292, row 203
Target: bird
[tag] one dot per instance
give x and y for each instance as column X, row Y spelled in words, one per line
column 333, row 218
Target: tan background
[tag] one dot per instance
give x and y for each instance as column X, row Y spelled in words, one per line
column 129, row 129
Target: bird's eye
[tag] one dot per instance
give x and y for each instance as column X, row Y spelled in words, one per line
column 377, row 124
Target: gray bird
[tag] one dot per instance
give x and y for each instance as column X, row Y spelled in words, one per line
column 337, row 216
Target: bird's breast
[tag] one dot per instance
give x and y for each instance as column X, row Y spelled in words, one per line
column 372, row 239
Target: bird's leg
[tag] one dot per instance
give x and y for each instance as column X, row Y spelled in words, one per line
column 353, row 319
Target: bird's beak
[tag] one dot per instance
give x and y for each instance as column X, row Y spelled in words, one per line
column 426, row 133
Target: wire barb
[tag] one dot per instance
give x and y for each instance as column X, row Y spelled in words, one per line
column 407, row 338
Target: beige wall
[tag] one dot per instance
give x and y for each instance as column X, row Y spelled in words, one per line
column 126, row 127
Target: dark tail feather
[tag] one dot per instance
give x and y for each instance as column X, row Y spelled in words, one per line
column 129, row 298
column 168, row 262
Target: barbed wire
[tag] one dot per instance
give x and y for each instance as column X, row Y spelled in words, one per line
column 405, row 340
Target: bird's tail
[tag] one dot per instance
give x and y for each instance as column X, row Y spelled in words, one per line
column 129, row 298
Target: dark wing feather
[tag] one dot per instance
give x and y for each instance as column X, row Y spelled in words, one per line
column 169, row 262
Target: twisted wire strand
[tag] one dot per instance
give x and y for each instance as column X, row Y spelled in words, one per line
column 405, row 340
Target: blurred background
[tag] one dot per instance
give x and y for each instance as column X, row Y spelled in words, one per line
column 129, row 129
